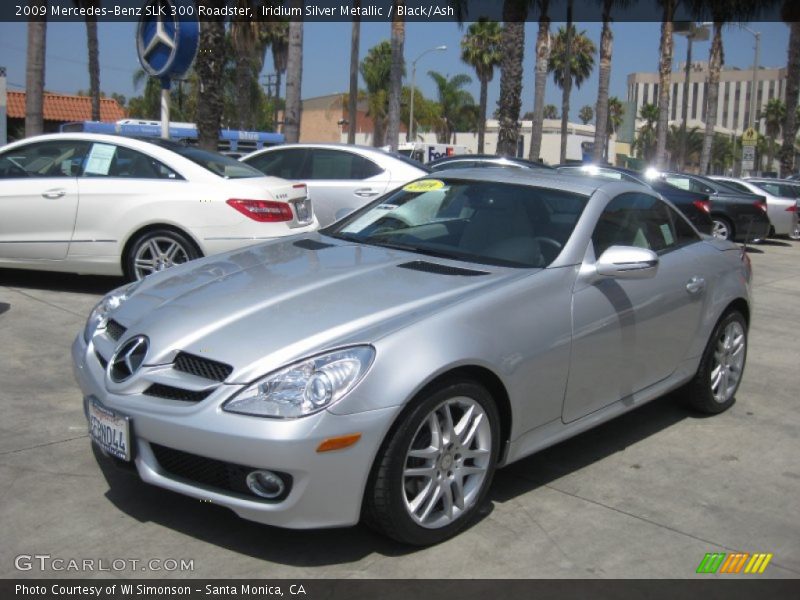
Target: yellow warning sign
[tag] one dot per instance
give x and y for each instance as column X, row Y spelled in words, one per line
column 749, row 137
column 424, row 185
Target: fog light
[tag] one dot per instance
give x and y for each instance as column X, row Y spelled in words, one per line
column 265, row 484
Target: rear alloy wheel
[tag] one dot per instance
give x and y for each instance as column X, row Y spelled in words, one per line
column 795, row 232
column 157, row 250
column 437, row 466
column 721, row 228
column 713, row 389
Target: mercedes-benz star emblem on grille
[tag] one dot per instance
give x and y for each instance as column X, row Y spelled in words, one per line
column 127, row 359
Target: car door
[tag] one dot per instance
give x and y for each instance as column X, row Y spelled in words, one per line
column 39, row 199
column 115, row 182
column 340, row 181
column 629, row 334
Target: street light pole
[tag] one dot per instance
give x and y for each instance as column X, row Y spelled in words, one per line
column 752, row 120
column 410, row 132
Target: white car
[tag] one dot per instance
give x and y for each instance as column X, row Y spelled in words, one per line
column 781, row 209
column 340, row 177
column 111, row 205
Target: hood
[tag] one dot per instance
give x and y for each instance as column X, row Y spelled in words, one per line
column 259, row 308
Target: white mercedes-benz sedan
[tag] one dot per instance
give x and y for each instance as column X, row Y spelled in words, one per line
column 112, row 205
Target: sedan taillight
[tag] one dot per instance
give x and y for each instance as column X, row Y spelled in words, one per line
column 760, row 204
column 703, row 205
column 263, row 211
column 792, row 208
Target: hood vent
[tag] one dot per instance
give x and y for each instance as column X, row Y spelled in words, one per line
column 312, row 245
column 429, row 267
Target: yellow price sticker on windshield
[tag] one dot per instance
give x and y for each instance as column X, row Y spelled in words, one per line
column 424, row 185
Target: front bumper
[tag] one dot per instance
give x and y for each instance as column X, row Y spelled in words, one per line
column 327, row 488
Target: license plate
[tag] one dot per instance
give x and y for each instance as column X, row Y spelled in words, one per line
column 110, row 430
column 303, row 210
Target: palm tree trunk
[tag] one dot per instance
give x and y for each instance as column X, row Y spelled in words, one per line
column 352, row 102
column 277, row 96
column 601, row 111
column 540, row 82
column 482, row 111
column 294, row 76
column 792, row 87
column 94, row 65
column 511, row 77
column 567, row 88
column 244, row 82
column 396, row 76
column 209, row 66
column 664, row 71
column 715, row 61
column 34, row 74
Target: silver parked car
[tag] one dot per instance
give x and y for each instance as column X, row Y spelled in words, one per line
column 781, row 201
column 340, row 177
column 383, row 368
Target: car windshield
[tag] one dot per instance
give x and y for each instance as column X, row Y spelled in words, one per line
column 224, row 166
column 475, row 221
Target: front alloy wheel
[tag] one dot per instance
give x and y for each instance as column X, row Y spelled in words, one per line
column 435, row 468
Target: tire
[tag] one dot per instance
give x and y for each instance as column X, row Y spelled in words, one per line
column 723, row 360
column 424, row 489
column 157, row 250
column 722, row 228
column 794, row 234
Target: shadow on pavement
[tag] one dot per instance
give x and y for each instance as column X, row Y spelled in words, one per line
column 59, row 282
column 776, row 243
column 300, row 548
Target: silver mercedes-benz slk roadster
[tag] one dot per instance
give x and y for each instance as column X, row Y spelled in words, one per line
column 382, row 368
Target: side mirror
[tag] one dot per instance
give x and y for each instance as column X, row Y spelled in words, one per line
column 627, row 262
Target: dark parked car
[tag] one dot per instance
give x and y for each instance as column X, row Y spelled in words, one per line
column 695, row 206
column 736, row 215
column 468, row 161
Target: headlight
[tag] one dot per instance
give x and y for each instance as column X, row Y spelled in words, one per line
column 305, row 387
column 112, row 301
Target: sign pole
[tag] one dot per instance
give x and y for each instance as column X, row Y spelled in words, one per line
column 165, row 87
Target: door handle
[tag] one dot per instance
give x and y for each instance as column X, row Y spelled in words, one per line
column 695, row 285
column 366, row 192
column 54, row 193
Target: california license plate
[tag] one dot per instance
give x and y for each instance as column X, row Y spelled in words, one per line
column 110, row 430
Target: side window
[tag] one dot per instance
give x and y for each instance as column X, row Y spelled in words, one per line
column 642, row 221
column 285, row 163
column 109, row 160
column 338, row 164
column 679, row 182
column 59, row 158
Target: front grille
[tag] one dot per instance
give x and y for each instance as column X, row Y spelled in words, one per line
column 212, row 473
column 115, row 330
column 201, row 367
column 168, row 392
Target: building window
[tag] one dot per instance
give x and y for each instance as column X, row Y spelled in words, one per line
column 746, row 121
column 705, row 101
column 655, row 93
column 726, row 99
column 737, row 87
column 644, row 93
column 674, row 100
column 771, row 90
column 695, row 87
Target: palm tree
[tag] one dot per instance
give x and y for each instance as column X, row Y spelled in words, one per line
column 616, row 114
column 352, row 103
column 540, row 79
column 277, row 34
column 550, row 111
column 249, row 41
column 376, row 69
column 94, row 52
column 480, row 48
column 586, row 114
column 510, row 101
column 294, row 77
column 210, row 65
column 645, row 143
column 454, row 102
column 571, row 62
column 396, row 75
column 693, row 143
column 34, row 72
column 601, row 110
column 773, row 114
column 664, row 76
column 790, row 14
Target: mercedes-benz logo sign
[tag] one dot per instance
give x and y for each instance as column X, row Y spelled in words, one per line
column 127, row 359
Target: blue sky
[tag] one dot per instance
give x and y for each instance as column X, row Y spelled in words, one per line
column 327, row 56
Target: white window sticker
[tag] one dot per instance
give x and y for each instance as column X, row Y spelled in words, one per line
column 667, row 233
column 99, row 161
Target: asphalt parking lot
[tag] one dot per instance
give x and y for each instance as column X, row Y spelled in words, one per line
column 644, row 496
